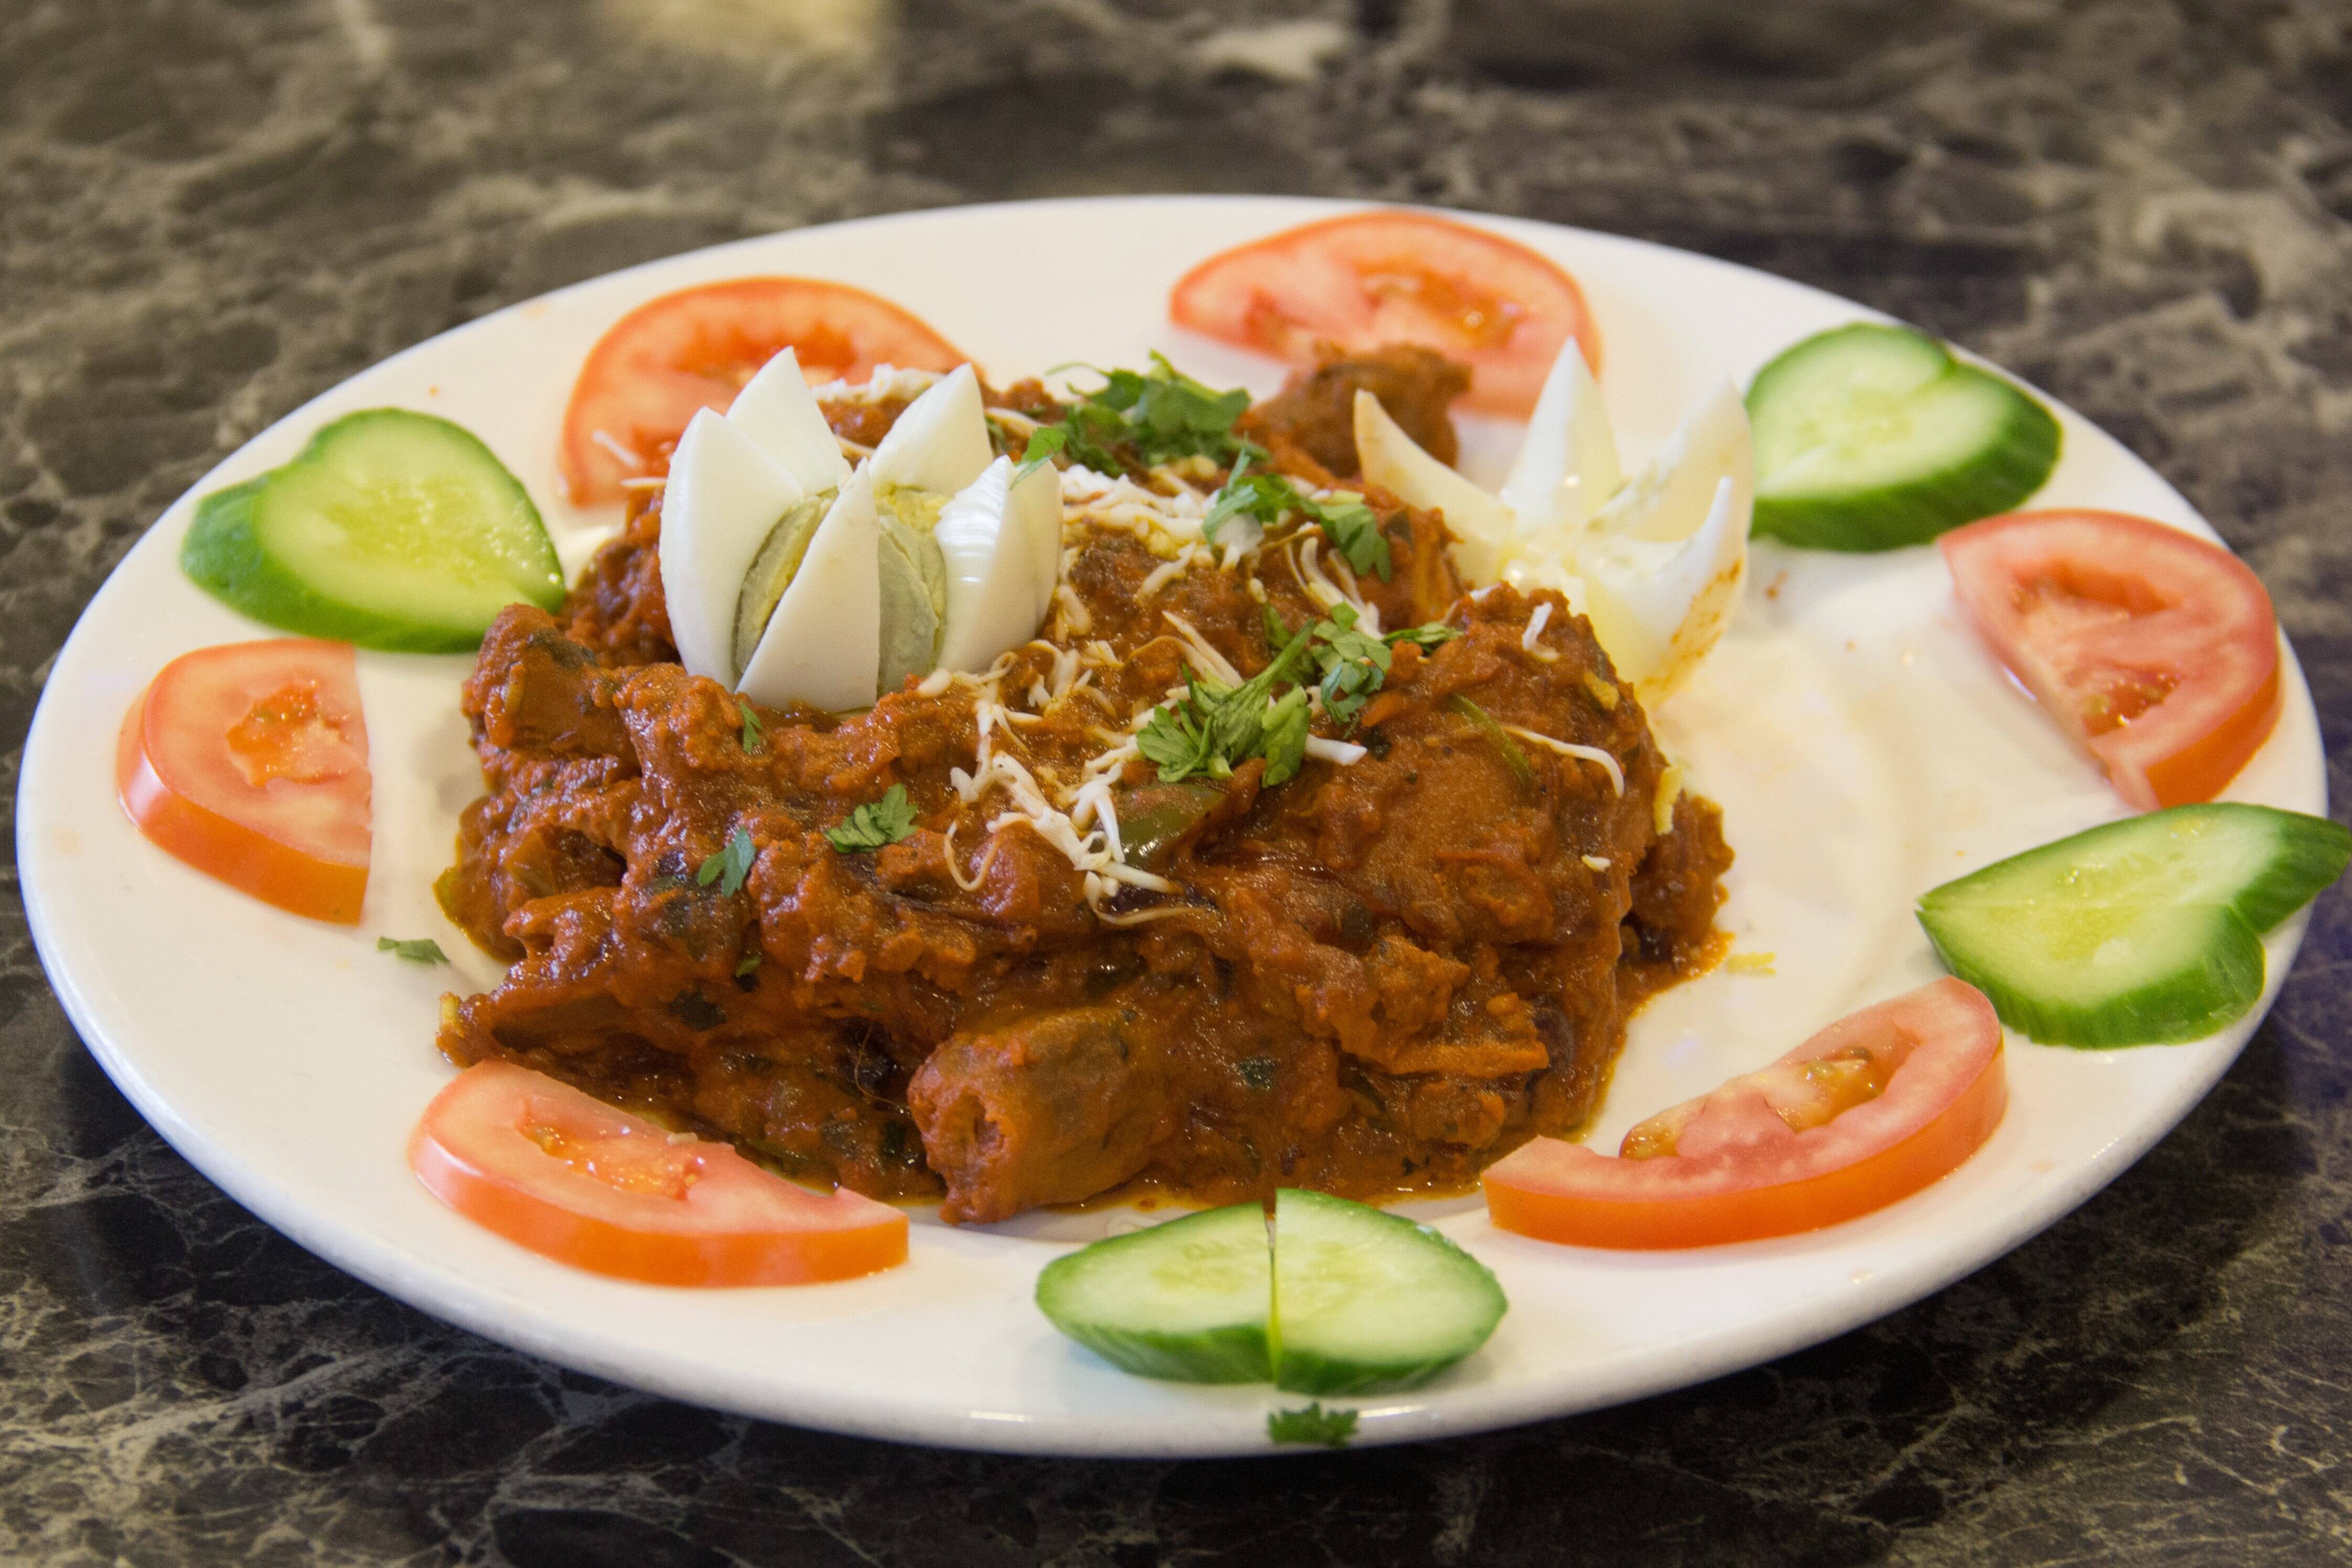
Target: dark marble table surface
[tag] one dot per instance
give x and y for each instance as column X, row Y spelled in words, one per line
column 212, row 209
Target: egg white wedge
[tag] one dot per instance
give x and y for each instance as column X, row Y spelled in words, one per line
column 1657, row 564
column 1393, row 460
column 1664, row 604
column 724, row 494
column 1567, row 466
column 939, row 442
column 777, row 410
column 994, row 534
column 824, row 643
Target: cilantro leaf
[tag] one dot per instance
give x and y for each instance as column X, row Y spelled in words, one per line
column 1428, row 636
column 1163, row 413
column 1354, row 664
column 1282, row 736
column 876, row 823
column 1311, row 1424
column 1355, row 532
column 754, row 732
column 749, row 962
column 730, row 864
column 1352, row 528
column 416, row 950
column 1213, row 729
column 1044, row 442
column 1175, row 740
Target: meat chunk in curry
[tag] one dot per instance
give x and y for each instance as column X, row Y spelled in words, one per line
column 1375, row 977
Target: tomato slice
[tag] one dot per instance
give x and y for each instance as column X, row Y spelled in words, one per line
column 1871, row 1110
column 589, row 1184
column 670, row 357
column 1373, row 278
column 2157, row 651
column 249, row 763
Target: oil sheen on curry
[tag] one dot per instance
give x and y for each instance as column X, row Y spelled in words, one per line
column 1375, row 977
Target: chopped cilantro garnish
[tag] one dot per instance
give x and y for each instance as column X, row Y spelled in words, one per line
column 1355, row 532
column 416, row 950
column 1354, row 663
column 748, row 962
column 754, row 732
column 1428, row 636
column 1311, row 1424
column 1351, row 527
column 874, row 824
column 1213, row 729
column 1162, row 413
column 730, row 864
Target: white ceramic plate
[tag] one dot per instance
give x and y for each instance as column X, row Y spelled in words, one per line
column 1861, row 744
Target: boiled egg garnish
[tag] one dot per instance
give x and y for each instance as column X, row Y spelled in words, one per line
column 822, row 643
column 1002, row 544
column 1656, row 564
column 795, row 579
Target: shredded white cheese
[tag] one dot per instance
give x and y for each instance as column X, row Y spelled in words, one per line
column 886, row 382
column 1306, row 565
column 1204, row 658
column 1531, row 638
column 1594, row 755
column 1598, row 862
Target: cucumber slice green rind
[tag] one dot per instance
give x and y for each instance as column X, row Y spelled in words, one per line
column 391, row 529
column 1187, row 1301
column 1366, row 1301
column 1873, row 438
column 2181, row 974
column 2145, row 931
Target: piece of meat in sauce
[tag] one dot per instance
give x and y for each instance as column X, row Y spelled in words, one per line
column 1372, row 978
column 1314, row 414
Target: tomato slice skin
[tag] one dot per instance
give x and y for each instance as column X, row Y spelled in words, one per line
column 1750, row 1176
column 1367, row 279
column 589, row 1184
column 2154, row 650
column 249, row 763
column 670, row 357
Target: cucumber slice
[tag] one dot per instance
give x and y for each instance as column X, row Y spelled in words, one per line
column 2145, row 931
column 1187, row 1301
column 1366, row 1300
column 1873, row 438
column 1337, row 1299
column 390, row 530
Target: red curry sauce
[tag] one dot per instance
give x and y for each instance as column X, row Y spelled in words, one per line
column 1374, row 978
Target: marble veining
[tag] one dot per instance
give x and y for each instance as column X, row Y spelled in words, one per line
column 213, row 209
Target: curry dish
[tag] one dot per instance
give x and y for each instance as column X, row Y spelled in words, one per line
column 1377, row 976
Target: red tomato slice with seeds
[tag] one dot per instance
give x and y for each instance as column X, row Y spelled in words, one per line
column 1386, row 277
column 2154, row 650
column 671, row 357
column 1873, row 1108
column 249, row 762
column 604, row 1190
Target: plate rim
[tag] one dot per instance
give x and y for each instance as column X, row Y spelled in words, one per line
column 385, row 1263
